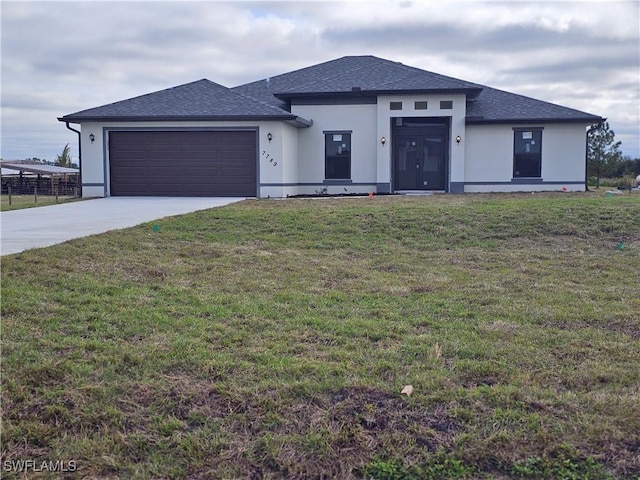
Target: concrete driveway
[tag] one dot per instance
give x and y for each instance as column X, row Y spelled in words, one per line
column 44, row 226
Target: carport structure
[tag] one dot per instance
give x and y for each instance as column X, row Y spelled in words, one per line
column 16, row 174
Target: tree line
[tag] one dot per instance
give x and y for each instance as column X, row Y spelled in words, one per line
column 604, row 158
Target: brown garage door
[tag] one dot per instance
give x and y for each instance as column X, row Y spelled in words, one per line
column 188, row 164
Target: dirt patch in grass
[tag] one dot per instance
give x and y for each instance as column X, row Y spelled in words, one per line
column 328, row 435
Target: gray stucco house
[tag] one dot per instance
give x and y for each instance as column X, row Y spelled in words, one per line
column 355, row 124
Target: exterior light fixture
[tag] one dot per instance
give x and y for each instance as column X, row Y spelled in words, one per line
column 92, row 137
column 458, row 139
column 383, row 140
column 269, row 137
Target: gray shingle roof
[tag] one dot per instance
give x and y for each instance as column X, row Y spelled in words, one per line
column 498, row 106
column 371, row 74
column 269, row 98
column 379, row 75
column 199, row 100
column 376, row 75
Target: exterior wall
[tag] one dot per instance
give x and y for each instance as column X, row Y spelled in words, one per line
column 361, row 121
column 371, row 160
column 276, row 159
column 489, row 153
column 489, row 159
column 278, row 172
column 456, row 114
column 293, row 162
column 92, row 164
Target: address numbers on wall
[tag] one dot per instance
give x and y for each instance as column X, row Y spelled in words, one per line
column 268, row 157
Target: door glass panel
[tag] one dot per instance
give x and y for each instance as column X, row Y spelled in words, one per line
column 432, row 154
column 408, row 154
column 406, row 161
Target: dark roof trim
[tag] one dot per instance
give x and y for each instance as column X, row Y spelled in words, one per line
column 351, row 100
column 473, row 92
column 518, row 121
column 79, row 119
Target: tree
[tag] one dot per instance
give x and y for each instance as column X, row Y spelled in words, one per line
column 603, row 152
column 64, row 159
column 41, row 161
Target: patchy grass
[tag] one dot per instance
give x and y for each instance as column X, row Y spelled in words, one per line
column 271, row 339
column 28, row 201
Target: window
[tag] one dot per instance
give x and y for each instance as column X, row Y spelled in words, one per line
column 420, row 105
column 446, row 104
column 527, row 153
column 395, row 105
column 337, row 163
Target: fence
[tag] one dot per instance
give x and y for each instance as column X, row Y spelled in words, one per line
column 22, row 185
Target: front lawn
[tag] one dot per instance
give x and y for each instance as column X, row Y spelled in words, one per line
column 28, row 201
column 272, row 339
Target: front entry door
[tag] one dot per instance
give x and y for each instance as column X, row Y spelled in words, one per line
column 420, row 162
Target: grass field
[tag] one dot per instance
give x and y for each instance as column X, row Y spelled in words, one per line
column 272, row 339
column 28, row 201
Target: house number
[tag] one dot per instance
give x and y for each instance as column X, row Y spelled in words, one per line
column 270, row 158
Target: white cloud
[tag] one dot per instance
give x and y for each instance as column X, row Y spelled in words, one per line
column 61, row 57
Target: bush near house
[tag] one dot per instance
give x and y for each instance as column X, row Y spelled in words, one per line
column 621, row 183
column 272, row 339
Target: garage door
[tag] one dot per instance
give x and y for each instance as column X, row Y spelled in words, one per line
column 218, row 163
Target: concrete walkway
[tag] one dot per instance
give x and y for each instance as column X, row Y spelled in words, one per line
column 44, row 226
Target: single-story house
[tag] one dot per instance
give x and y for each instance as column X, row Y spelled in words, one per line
column 356, row 124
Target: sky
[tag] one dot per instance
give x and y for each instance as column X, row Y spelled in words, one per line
column 60, row 57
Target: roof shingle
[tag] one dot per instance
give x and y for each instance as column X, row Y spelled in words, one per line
column 498, row 106
column 376, row 76
column 269, row 98
column 202, row 99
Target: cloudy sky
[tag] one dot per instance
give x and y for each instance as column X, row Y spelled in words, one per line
column 62, row 57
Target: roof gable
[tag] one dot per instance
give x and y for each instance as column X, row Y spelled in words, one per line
column 202, row 99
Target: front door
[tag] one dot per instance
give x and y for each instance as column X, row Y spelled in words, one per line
column 420, row 162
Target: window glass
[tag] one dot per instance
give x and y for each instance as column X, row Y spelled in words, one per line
column 337, row 156
column 420, row 105
column 395, row 106
column 446, row 104
column 527, row 153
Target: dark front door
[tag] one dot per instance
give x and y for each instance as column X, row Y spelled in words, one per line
column 420, row 162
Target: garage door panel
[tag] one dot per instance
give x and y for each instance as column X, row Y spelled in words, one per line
column 166, row 156
column 183, row 163
column 132, row 180
column 135, row 171
column 234, row 172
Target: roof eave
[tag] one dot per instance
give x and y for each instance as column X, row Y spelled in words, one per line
column 472, row 92
column 179, row 118
column 300, row 122
column 521, row 121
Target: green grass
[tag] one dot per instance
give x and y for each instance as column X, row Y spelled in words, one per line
column 271, row 339
column 28, row 201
